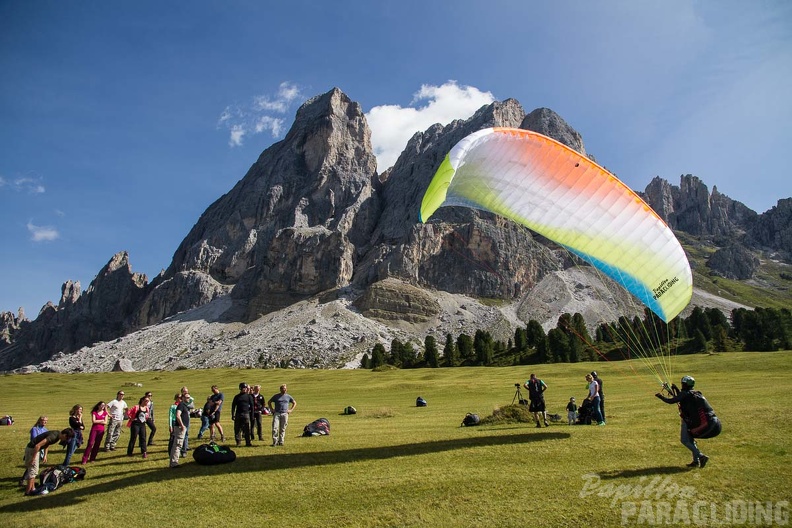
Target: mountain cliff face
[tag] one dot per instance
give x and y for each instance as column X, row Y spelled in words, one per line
column 292, row 226
column 691, row 208
column 313, row 221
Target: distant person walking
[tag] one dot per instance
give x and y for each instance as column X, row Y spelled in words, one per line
column 536, row 389
column 281, row 405
column 117, row 409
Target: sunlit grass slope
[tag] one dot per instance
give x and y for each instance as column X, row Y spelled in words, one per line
column 394, row 464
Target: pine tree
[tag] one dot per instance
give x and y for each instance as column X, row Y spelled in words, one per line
column 377, row 356
column 431, row 355
column 465, row 347
column 482, row 344
column 450, row 356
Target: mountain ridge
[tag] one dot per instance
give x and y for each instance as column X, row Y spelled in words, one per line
column 313, row 224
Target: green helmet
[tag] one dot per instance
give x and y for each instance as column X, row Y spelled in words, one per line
column 689, row 381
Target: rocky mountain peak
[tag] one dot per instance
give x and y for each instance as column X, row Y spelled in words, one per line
column 549, row 123
column 691, row 208
column 312, row 227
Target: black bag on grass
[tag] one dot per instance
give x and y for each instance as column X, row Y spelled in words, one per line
column 317, row 428
column 211, row 454
column 471, row 420
column 420, row 402
column 350, row 410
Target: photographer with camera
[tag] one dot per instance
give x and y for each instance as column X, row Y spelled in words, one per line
column 536, row 388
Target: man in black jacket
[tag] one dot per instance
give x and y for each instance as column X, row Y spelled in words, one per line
column 698, row 418
column 242, row 414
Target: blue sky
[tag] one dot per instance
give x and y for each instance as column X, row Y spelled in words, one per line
column 121, row 122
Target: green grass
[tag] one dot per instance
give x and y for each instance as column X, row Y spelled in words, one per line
column 394, row 464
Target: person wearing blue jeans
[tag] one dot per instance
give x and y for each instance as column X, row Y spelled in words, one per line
column 190, row 402
column 206, row 416
column 594, row 398
column 77, row 425
column 698, row 418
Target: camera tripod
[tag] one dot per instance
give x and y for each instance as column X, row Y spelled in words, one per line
column 518, row 397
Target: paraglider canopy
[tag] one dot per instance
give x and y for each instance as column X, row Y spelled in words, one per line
column 564, row 196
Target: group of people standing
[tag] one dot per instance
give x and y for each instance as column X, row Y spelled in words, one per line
column 247, row 409
column 107, row 420
column 596, row 398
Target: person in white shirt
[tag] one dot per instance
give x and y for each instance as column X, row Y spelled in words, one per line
column 594, row 398
column 117, row 409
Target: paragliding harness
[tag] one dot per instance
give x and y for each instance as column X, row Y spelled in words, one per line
column 54, row 477
column 211, row 454
column 318, row 427
column 420, row 402
column 585, row 412
column 706, row 415
column 471, row 420
column 350, row 410
column 697, row 411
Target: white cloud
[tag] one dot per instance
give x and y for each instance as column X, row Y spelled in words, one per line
column 237, row 133
column 272, row 124
column 28, row 184
column 287, row 93
column 257, row 117
column 392, row 125
column 42, row 233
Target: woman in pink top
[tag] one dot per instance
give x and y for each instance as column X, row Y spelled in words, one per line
column 98, row 422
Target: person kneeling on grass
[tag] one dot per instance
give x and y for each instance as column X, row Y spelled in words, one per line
column 38, row 445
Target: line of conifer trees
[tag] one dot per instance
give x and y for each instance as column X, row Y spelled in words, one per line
column 704, row 330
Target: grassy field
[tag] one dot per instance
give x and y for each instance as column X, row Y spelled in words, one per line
column 394, row 464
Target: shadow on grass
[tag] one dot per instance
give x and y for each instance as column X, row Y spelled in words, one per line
column 643, row 472
column 273, row 460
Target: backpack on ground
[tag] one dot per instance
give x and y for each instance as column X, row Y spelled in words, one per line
column 471, row 420
column 6, row 420
column 211, row 454
column 54, row 477
column 318, row 427
column 420, row 402
column 350, row 410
